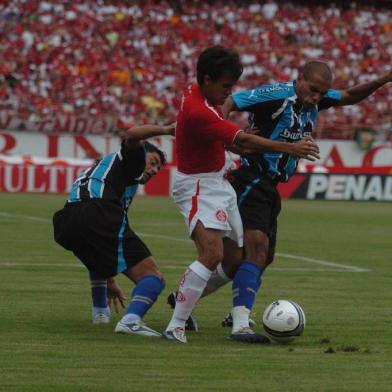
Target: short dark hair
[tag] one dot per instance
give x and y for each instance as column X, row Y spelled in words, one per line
column 152, row 148
column 318, row 67
column 218, row 61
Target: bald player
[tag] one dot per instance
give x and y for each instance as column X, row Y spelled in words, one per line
column 284, row 112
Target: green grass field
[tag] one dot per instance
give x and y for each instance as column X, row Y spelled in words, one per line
column 334, row 258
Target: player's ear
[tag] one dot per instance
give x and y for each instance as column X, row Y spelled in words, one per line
column 207, row 80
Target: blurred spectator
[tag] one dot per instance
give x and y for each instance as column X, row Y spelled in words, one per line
column 131, row 60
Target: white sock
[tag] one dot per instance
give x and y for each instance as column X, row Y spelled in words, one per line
column 217, row 280
column 191, row 287
column 130, row 318
column 95, row 310
column 240, row 318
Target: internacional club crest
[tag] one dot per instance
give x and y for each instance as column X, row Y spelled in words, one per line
column 221, row 215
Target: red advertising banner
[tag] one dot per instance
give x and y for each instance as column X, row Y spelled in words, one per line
column 58, row 177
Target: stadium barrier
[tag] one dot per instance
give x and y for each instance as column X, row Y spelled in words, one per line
column 56, row 176
column 32, row 162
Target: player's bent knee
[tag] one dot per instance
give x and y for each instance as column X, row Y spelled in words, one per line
column 143, row 268
column 257, row 254
column 211, row 257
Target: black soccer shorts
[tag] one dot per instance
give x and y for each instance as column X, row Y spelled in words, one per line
column 97, row 232
column 258, row 201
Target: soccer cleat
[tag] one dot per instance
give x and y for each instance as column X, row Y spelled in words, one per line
column 138, row 328
column 228, row 321
column 101, row 318
column 247, row 335
column 191, row 323
column 175, row 335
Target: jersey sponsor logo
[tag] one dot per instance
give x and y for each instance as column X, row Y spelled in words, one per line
column 221, row 215
column 292, row 135
column 267, row 90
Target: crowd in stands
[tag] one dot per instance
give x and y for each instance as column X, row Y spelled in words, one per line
column 132, row 59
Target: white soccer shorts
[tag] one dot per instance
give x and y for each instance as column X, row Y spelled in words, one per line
column 210, row 199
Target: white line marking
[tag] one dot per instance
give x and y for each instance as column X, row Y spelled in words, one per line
column 334, row 266
column 33, row 218
column 323, row 262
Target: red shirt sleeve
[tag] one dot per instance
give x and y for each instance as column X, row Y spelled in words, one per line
column 209, row 125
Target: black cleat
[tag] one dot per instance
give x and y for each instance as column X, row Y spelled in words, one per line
column 228, row 321
column 247, row 335
column 191, row 323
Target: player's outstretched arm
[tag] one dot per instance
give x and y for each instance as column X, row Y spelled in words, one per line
column 361, row 91
column 138, row 133
column 305, row 148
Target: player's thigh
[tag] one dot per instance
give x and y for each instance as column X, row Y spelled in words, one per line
column 98, row 228
column 134, row 255
column 209, row 245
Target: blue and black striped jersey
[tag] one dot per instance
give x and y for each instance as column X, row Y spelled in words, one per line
column 274, row 109
column 115, row 177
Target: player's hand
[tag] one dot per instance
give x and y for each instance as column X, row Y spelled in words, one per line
column 307, row 149
column 170, row 129
column 116, row 297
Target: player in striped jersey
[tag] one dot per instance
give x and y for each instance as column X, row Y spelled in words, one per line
column 280, row 112
column 94, row 225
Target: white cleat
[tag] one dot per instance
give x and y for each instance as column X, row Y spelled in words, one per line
column 101, row 318
column 137, row 328
column 175, row 335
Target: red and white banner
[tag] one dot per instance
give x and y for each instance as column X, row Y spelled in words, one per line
column 334, row 153
column 68, row 145
column 33, row 162
column 47, row 175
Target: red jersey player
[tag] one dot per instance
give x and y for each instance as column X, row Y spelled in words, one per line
column 205, row 198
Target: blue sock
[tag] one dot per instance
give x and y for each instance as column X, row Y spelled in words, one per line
column 144, row 295
column 246, row 283
column 98, row 290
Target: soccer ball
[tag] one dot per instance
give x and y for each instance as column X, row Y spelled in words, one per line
column 283, row 320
